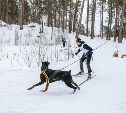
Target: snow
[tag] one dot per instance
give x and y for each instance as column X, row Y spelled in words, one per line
column 105, row 93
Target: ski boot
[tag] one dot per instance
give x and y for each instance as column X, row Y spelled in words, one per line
column 89, row 75
column 80, row 73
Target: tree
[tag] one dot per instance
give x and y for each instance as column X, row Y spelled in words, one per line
column 79, row 25
column 21, row 12
column 75, row 15
column 109, row 20
column 116, row 29
column 103, row 1
column 121, row 22
column 26, row 12
column 70, row 16
column 93, row 18
column 87, row 18
column 0, row 9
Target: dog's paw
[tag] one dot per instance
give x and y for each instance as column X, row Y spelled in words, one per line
column 74, row 91
column 29, row 88
column 43, row 90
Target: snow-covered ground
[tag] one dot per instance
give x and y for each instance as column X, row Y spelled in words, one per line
column 105, row 93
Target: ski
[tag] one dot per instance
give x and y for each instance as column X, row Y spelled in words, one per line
column 86, row 80
column 82, row 75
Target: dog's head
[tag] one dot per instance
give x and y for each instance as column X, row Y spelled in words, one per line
column 45, row 65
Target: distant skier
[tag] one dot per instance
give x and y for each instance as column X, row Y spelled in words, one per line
column 63, row 41
column 87, row 54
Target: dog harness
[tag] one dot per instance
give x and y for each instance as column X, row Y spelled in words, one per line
column 47, row 79
column 46, row 76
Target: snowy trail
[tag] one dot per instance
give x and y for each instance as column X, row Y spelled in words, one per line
column 105, row 93
column 102, row 94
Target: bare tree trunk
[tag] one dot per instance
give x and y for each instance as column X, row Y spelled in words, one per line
column 93, row 18
column 63, row 19
column 79, row 25
column 20, row 21
column 33, row 11
column 116, row 29
column 66, row 14
column 7, row 18
column 121, row 23
column 102, row 20
column 70, row 16
column 101, row 2
column 75, row 15
column 16, row 37
column 110, row 19
column 0, row 10
column 59, row 13
column 109, row 22
column 55, row 13
column 23, row 12
column 51, row 13
column 48, row 13
column 38, row 12
column 87, row 17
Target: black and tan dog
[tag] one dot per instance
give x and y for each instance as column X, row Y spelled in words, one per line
column 48, row 75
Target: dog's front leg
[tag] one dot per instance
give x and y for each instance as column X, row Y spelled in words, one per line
column 35, row 85
column 31, row 87
column 46, row 87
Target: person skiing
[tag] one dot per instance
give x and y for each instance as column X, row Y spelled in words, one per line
column 63, row 41
column 87, row 55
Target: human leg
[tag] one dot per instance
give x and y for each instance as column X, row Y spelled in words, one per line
column 88, row 63
column 81, row 64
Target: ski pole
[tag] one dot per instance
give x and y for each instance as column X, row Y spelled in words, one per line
column 99, row 46
column 70, row 64
column 78, row 56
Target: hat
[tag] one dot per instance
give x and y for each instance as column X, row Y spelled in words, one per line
column 78, row 40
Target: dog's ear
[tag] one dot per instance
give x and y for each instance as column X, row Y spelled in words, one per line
column 42, row 62
column 48, row 63
column 70, row 72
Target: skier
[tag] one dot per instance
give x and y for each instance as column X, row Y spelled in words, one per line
column 63, row 41
column 87, row 55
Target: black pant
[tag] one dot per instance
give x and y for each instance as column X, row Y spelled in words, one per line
column 83, row 58
column 63, row 44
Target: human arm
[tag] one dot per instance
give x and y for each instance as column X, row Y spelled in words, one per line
column 77, row 52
